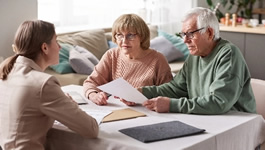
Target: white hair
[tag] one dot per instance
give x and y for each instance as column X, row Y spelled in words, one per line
column 205, row 18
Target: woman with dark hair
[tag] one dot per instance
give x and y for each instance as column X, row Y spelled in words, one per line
column 133, row 60
column 30, row 100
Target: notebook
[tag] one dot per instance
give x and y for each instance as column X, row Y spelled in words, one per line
column 161, row 131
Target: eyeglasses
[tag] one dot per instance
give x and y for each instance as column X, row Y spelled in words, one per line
column 189, row 35
column 129, row 37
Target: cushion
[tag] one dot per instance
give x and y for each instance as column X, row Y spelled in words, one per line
column 153, row 31
column 108, row 36
column 93, row 40
column 112, row 44
column 165, row 47
column 63, row 66
column 87, row 54
column 177, row 42
column 80, row 63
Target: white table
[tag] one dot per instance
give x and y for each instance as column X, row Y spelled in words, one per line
column 230, row 131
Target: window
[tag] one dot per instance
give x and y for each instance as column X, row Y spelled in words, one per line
column 73, row 15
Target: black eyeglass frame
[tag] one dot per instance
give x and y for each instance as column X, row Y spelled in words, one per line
column 189, row 35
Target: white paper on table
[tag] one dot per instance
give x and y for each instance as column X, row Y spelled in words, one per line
column 97, row 114
column 123, row 89
column 77, row 97
column 75, row 91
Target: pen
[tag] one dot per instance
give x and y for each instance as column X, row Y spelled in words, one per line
column 108, row 95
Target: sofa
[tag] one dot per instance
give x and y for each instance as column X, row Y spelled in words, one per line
column 82, row 50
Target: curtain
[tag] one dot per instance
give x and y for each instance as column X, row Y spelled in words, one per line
column 74, row 15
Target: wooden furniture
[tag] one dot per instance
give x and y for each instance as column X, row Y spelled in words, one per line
column 251, row 42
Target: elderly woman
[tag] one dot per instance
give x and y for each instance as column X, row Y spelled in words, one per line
column 132, row 60
column 30, row 100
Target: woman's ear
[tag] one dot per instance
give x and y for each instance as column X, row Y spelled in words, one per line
column 44, row 48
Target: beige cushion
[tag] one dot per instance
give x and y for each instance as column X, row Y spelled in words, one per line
column 153, row 31
column 68, row 78
column 108, row 35
column 93, row 40
column 258, row 87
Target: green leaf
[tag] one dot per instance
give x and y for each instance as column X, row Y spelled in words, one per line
column 209, row 2
column 223, row 2
column 232, row 2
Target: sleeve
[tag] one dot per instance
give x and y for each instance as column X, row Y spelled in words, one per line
column 55, row 104
column 174, row 89
column 100, row 75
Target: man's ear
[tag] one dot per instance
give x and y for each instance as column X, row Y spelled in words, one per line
column 44, row 48
column 210, row 33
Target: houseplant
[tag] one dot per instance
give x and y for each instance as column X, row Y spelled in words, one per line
column 243, row 8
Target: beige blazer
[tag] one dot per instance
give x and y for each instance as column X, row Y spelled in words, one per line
column 30, row 101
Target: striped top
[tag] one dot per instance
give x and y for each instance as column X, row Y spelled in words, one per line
column 153, row 69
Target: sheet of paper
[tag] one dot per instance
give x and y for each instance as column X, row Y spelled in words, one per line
column 75, row 92
column 123, row 89
column 97, row 114
column 77, row 97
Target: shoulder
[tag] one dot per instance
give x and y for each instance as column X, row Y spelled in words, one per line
column 225, row 47
column 158, row 55
column 111, row 53
column 42, row 78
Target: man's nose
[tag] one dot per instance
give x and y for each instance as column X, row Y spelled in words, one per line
column 185, row 39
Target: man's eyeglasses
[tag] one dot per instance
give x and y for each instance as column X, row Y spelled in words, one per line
column 129, row 37
column 189, row 35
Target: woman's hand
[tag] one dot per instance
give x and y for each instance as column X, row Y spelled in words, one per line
column 158, row 104
column 128, row 103
column 99, row 98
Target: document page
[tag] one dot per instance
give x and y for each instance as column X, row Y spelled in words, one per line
column 77, row 97
column 123, row 89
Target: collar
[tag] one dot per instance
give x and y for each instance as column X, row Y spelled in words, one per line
column 28, row 62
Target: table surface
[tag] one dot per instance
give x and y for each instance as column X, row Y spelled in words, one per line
column 231, row 131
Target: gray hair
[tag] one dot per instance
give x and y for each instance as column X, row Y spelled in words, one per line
column 205, row 18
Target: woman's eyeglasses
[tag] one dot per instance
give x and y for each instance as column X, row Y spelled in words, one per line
column 129, row 37
column 189, row 35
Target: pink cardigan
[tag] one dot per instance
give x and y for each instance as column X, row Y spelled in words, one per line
column 153, row 69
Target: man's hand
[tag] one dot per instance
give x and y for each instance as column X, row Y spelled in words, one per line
column 158, row 104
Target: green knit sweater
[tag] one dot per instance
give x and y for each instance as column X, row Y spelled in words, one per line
column 213, row 84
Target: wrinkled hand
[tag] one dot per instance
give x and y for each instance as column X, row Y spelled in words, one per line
column 128, row 103
column 99, row 98
column 158, row 104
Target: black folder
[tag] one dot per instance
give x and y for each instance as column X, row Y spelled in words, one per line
column 161, row 131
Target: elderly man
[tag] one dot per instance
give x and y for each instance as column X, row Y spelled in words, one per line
column 214, row 79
